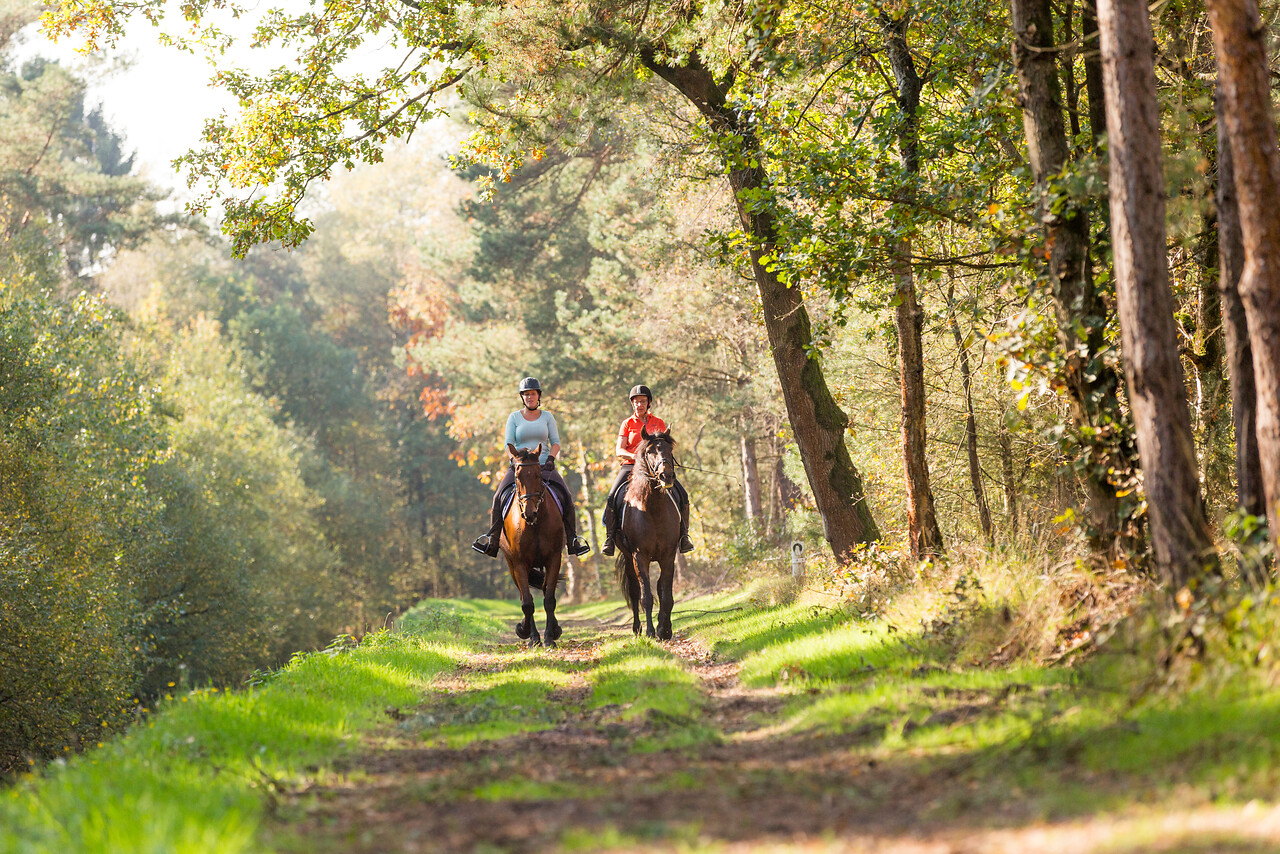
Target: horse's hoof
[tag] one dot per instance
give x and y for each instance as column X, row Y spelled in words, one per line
column 664, row 634
column 548, row 643
column 553, row 633
column 522, row 631
column 535, row 643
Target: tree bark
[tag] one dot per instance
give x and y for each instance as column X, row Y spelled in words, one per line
column 1239, row 351
column 1093, row 70
column 750, row 478
column 1179, row 530
column 1090, row 382
column 817, row 421
column 922, row 520
column 1251, row 131
column 1069, row 67
column 971, row 427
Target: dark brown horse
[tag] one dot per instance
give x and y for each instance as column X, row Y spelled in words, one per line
column 649, row 531
column 532, row 540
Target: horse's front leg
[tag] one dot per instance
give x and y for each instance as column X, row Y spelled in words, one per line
column 666, row 596
column 525, row 629
column 625, row 567
column 552, row 632
column 646, row 595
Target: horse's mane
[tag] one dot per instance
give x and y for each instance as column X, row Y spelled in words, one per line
column 640, row 487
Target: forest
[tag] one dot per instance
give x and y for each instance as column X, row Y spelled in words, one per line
column 979, row 298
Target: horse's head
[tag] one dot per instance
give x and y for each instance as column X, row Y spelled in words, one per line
column 656, row 454
column 530, row 488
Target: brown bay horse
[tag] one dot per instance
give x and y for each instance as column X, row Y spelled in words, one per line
column 649, row 531
column 532, row 541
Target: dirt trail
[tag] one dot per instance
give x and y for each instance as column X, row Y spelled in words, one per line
column 759, row 788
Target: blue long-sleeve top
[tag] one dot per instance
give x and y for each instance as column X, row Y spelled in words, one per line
column 528, row 434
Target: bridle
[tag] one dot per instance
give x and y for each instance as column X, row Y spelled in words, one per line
column 655, row 475
column 526, row 500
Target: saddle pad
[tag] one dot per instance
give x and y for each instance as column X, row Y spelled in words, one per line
column 509, row 495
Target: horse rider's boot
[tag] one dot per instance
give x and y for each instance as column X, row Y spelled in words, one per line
column 577, row 546
column 686, row 545
column 487, row 544
column 607, row 548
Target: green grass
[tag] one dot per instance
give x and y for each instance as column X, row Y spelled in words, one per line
column 193, row 777
column 1040, row 731
column 638, row 675
column 496, row 705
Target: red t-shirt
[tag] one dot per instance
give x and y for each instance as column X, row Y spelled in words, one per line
column 629, row 433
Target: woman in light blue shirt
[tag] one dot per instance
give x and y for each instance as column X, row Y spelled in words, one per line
column 528, row 428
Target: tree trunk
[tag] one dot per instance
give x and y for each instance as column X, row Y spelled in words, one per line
column 571, row 575
column 1250, row 129
column 816, row 420
column 750, row 478
column 1239, row 352
column 1179, row 530
column 1207, row 346
column 785, row 495
column 591, row 580
column 1010, row 481
column 1093, row 70
column 971, row 427
column 1090, row 382
column 1068, row 58
column 922, row 520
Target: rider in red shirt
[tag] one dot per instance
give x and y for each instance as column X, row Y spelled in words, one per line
column 628, row 442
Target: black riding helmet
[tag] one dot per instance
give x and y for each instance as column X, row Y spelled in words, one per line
column 529, row 384
column 639, row 390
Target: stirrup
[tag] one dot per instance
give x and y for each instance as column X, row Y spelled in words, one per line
column 686, row 545
column 486, row 545
column 578, row 547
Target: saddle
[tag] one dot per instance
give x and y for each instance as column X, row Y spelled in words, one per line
column 559, row 495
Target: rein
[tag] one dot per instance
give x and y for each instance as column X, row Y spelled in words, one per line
column 655, row 480
column 522, row 501
column 708, row 471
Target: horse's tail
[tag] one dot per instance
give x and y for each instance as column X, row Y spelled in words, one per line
column 626, row 579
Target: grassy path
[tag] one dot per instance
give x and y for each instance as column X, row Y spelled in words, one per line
column 613, row 743
column 759, row 728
